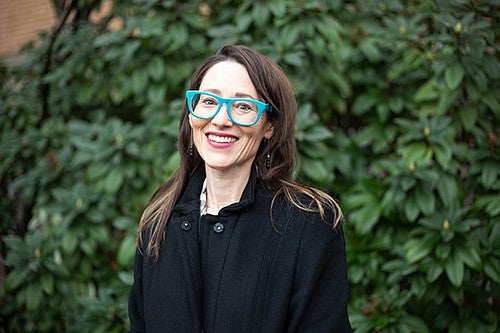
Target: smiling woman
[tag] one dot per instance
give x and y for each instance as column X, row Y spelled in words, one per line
column 231, row 242
column 228, row 149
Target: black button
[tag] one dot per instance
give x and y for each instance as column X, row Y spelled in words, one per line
column 186, row 226
column 218, row 227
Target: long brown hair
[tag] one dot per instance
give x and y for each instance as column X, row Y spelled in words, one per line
column 273, row 87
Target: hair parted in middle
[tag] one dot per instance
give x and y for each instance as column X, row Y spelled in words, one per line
column 274, row 88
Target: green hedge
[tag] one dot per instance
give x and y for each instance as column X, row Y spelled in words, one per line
column 398, row 118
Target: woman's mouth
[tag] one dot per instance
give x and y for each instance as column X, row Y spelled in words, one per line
column 221, row 139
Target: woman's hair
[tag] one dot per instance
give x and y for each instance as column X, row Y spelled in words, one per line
column 274, row 88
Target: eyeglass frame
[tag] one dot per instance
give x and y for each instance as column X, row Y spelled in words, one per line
column 261, row 106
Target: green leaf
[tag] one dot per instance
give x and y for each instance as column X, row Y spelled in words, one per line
column 433, row 222
column 448, row 190
column 289, row 36
column 416, row 324
column 416, row 249
column 156, row 94
column 416, row 152
column 113, row 181
column 294, row 58
column 396, row 104
column 85, row 94
column 454, row 75
column 492, row 269
column 426, row 201
column 97, row 170
column 470, row 256
column 317, row 133
column 126, row 277
column 356, row 273
column 426, row 92
column 469, row 116
column 126, row 250
column 221, row 31
column 17, row 277
column 443, row 155
column 446, row 100
column 139, row 81
column 435, row 271
column 465, row 225
column 179, row 34
column 365, row 218
column 457, row 296
column 315, row 170
column 443, row 250
column 363, row 104
column 34, row 298
column 14, row 243
column 454, row 268
column 277, row 7
column 260, row 14
column 69, row 241
column 47, row 283
column 369, row 48
column 88, row 246
column 411, row 209
column 491, row 99
column 489, row 173
column 329, row 28
column 156, row 68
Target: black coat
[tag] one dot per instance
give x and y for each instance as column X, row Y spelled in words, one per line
column 242, row 271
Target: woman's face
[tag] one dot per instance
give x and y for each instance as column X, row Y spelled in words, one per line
column 223, row 145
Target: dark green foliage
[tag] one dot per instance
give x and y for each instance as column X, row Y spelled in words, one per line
column 399, row 106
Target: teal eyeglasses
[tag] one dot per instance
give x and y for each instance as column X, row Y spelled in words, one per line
column 241, row 111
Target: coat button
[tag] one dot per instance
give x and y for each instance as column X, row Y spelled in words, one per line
column 186, row 226
column 218, row 227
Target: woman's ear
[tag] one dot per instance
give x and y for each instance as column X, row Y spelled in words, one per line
column 190, row 122
column 269, row 131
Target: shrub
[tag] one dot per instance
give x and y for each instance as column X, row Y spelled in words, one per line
column 398, row 119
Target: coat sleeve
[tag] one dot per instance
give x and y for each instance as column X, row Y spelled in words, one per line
column 321, row 289
column 135, row 300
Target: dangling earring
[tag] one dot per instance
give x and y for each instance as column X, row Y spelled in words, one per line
column 191, row 150
column 268, row 161
column 268, row 156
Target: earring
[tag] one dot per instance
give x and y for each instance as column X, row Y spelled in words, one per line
column 191, row 150
column 268, row 161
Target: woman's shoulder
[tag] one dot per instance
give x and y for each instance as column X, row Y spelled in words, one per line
column 306, row 211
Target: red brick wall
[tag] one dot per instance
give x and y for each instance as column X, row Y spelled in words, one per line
column 21, row 21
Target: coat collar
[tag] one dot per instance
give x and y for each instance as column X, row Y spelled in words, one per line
column 190, row 198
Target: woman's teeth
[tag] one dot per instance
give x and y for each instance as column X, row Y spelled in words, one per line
column 221, row 139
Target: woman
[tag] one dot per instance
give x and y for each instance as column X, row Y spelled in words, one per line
column 231, row 243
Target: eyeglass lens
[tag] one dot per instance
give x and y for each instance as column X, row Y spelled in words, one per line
column 206, row 106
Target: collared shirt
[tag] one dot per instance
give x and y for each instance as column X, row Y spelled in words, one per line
column 203, row 198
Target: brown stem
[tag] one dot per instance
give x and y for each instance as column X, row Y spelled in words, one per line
column 45, row 87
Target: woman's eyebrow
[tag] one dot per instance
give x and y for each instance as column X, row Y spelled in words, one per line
column 244, row 95
column 238, row 94
column 213, row 91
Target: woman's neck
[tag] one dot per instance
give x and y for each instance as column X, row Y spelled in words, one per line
column 224, row 189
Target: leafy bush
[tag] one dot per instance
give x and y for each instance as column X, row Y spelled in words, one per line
column 398, row 119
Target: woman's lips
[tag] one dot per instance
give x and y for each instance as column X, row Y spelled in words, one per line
column 221, row 139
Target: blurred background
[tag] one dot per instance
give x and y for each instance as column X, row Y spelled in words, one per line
column 398, row 119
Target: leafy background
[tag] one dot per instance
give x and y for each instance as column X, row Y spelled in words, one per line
column 398, row 118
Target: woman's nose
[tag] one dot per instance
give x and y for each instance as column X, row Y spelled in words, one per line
column 222, row 119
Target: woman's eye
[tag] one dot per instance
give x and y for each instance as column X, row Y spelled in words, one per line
column 243, row 106
column 209, row 101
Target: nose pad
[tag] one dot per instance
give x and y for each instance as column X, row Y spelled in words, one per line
column 222, row 117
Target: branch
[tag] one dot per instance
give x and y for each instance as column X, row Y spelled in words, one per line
column 45, row 87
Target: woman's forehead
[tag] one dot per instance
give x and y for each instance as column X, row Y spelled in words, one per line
column 228, row 78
